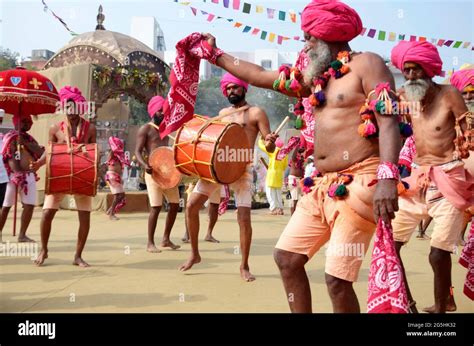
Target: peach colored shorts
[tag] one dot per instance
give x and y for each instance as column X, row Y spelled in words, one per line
column 155, row 193
column 346, row 225
column 448, row 220
column 83, row 203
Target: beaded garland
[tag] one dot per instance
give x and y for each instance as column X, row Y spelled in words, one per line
column 290, row 79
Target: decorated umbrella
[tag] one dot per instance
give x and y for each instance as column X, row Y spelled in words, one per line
column 22, row 93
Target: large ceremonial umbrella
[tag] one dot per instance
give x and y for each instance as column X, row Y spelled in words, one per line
column 24, row 92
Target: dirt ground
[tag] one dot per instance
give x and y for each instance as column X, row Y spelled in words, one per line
column 125, row 278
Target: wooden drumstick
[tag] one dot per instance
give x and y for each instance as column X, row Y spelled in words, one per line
column 262, row 160
column 283, row 123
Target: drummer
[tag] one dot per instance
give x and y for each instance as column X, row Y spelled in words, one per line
column 254, row 121
column 148, row 139
column 78, row 130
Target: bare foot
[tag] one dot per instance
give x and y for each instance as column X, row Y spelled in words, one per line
column 78, row 261
column 246, row 275
column 190, row 262
column 450, row 306
column 169, row 243
column 113, row 217
column 152, row 248
column 25, row 239
column 108, row 211
column 211, row 239
column 41, row 257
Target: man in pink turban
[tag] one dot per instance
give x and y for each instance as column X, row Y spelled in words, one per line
column 21, row 172
column 76, row 130
column 230, row 79
column 336, row 77
column 463, row 80
column 439, row 185
column 148, row 139
column 115, row 163
column 255, row 123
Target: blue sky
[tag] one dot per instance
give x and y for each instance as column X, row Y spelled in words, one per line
column 25, row 26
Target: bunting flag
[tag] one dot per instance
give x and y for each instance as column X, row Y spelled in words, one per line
column 46, row 9
column 381, row 35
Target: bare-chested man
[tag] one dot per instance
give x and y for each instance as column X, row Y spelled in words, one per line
column 148, row 139
column 255, row 121
column 439, row 185
column 22, row 166
column 339, row 149
column 79, row 130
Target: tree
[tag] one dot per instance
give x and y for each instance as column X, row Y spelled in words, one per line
column 138, row 112
column 210, row 101
column 7, row 59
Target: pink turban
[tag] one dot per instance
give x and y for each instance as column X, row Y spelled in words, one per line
column 71, row 93
column 228, row 79
column 331, row 21
column 462, row 78
column 155, row 105
column 422, row 53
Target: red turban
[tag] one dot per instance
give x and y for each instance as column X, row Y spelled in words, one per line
column 462, row 78
column 331, row 21
column 230, row 79
column 71, row 93
column 422, row 53
column 155, row 105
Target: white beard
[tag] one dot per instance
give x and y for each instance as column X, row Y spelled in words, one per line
column 416, row 90
column 319, row 60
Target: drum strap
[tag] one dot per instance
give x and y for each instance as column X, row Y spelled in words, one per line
column 157, row 128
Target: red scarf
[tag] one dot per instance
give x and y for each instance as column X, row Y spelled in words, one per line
column 184, row 79
column 467, row 261
column 387, row 291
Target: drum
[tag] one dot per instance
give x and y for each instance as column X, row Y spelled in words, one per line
column 215, row 151
column 164, row 172
column 72, row 171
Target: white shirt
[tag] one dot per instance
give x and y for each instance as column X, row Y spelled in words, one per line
column 3, row 171
column 309, row 169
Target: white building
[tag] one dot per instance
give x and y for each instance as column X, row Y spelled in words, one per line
column 148, row 31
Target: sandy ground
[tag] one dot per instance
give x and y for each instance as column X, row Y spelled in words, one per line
column 125, row 278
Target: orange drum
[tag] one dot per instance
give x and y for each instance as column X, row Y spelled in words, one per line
column 164, row 172
column 216, row 151
column 72, row 171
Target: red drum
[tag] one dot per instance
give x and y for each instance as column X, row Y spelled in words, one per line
column 72, row 171
column 164, row 172
column 216, row 151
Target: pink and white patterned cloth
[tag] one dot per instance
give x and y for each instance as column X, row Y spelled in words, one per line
column 292, row 144
column 184, row 78
column 224, row 203
column 408, row 153
column 467, row 261
column 387, row 291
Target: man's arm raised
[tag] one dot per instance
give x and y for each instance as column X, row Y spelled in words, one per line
column 251, row 73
